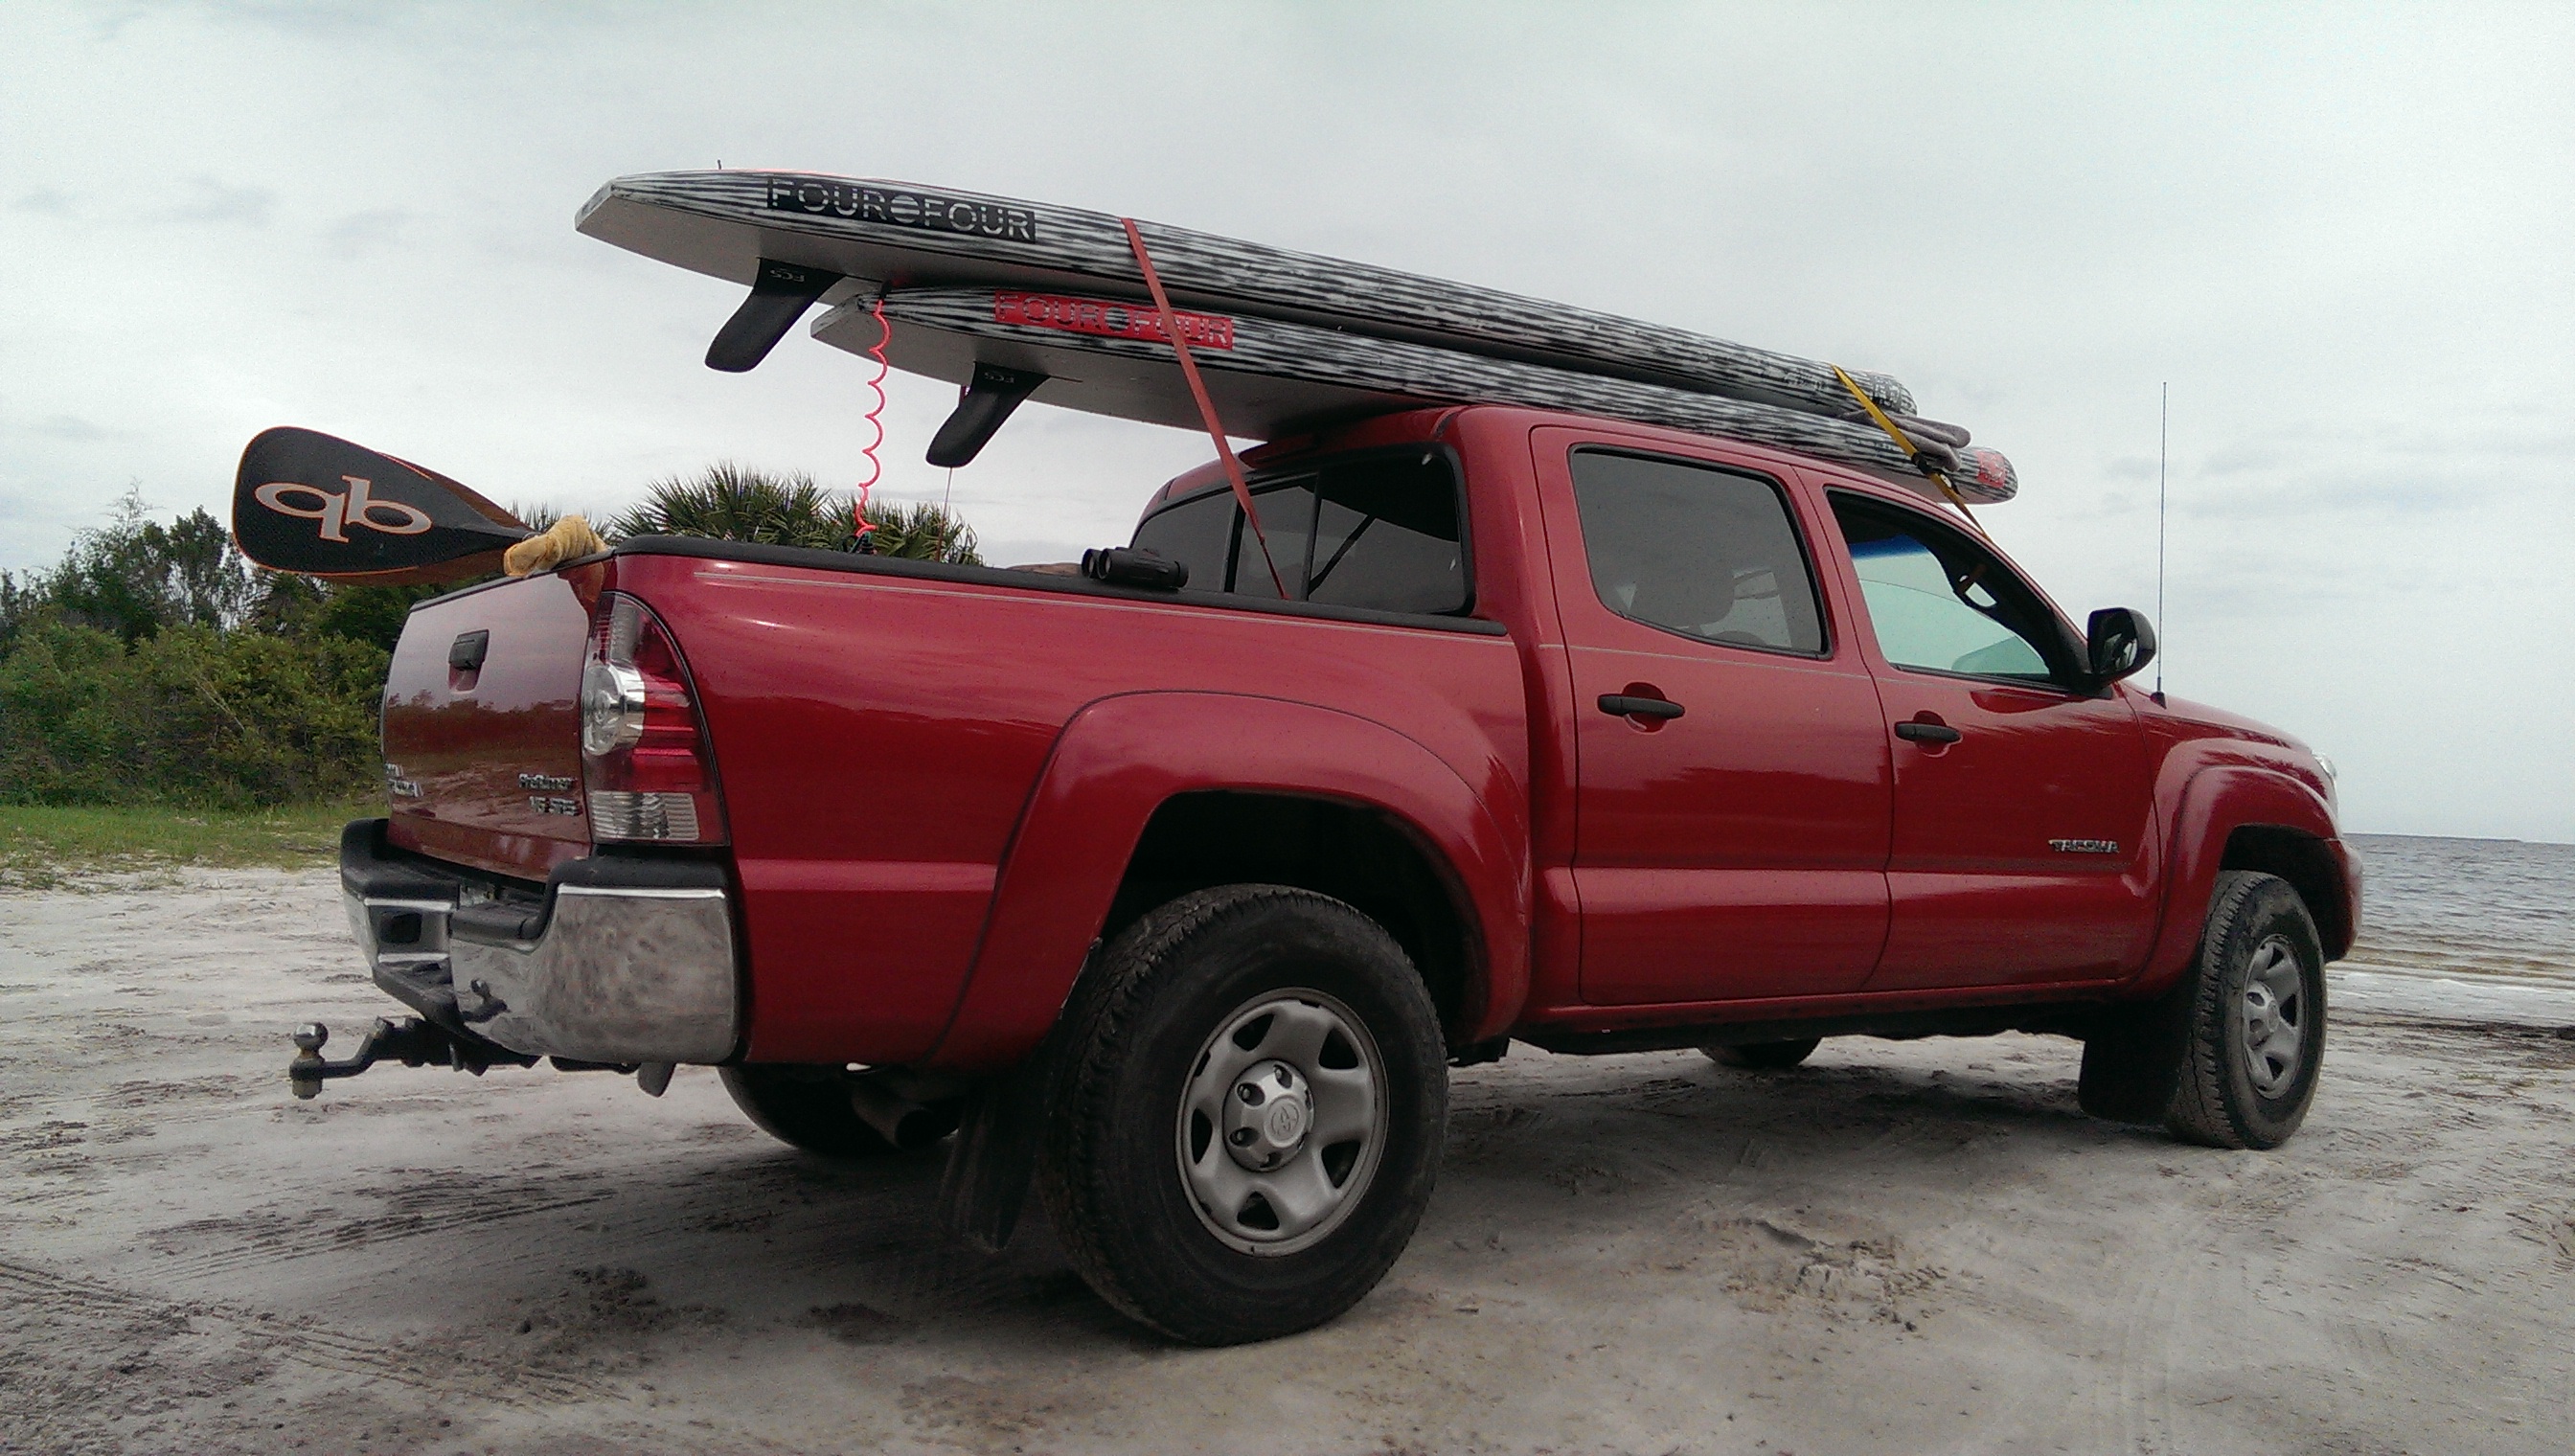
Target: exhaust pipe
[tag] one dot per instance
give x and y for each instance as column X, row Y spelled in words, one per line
column 905, row 1124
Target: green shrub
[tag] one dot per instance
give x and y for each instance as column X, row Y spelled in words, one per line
column 190, row 715
column 67, row 708
column 372, row 615
column 135, row 575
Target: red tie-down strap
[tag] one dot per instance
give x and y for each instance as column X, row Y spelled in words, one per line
column 1206, row 407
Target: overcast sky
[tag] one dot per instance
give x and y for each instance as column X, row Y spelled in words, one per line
column 2342, row 234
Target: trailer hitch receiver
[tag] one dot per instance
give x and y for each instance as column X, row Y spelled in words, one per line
column 411, row 1042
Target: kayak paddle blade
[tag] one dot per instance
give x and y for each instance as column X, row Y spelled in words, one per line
column 319, row 506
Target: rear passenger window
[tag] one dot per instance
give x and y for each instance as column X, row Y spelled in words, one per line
column 1386, row 536
column 1198, row 533
column 1382, row 532
column 1692, row 549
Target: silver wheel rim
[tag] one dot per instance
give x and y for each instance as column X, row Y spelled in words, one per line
column 2272, row 1017
column 1283, row 1121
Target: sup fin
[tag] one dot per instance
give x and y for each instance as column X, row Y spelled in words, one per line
column 986, row 401
column 780, row 294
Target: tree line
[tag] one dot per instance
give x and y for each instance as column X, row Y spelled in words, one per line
column 155, row 665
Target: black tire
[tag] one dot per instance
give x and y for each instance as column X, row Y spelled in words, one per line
column 1763, row 1056
column 1142, row 1034
column 805, row 1107
column 2189, row 1060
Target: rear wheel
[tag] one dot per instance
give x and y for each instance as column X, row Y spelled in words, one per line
column 805, row 1107
column 1763, row 1056
column 1248, row 1116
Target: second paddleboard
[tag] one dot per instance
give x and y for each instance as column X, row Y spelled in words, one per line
column 1269, row 378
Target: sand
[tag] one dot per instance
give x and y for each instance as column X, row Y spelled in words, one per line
column 1900, row 1247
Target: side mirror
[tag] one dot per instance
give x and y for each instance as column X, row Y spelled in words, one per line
column 2118, row 641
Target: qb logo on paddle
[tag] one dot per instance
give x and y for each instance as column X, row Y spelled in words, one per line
column 337, row 511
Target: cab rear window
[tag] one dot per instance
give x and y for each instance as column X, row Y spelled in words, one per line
column 1382, row 531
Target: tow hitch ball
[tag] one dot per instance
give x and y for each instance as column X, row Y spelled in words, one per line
column 411, row 1042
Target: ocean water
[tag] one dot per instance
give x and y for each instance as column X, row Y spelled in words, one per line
column 2472, row 929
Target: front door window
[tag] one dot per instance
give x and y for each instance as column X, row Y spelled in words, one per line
column 1940, row 605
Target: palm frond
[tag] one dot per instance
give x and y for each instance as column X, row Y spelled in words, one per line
column 729, row 502
column 923, row 531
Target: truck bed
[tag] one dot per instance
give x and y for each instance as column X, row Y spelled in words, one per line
column 878, row 727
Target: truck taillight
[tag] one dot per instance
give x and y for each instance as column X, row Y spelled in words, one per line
column 644, row 759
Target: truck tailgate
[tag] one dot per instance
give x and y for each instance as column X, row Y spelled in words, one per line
column 483, row 735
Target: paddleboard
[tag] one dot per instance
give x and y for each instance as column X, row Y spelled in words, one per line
column 1269, row 378
column 727, row 224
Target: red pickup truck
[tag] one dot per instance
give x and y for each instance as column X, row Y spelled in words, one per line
column 1178, row 904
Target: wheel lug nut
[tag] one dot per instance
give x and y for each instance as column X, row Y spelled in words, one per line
column 1241, row 1137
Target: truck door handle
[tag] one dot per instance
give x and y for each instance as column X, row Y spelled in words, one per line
column 1926, row 732
column 1620, row 704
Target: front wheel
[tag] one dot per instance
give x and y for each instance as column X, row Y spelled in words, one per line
column 1248, row 1116
column 2230, row 1057
column 2256, row 1022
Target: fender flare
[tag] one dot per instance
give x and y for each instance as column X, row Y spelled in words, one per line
column 2215, row 800
column 1121, row 759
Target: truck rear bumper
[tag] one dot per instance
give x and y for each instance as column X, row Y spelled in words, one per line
column 620, row 960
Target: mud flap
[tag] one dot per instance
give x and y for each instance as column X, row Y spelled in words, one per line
column 995, row 1157
column 2133, row 1060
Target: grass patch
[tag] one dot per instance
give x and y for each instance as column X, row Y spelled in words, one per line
column 40, row 844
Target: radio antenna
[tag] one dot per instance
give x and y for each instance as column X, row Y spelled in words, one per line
column 2163, row 451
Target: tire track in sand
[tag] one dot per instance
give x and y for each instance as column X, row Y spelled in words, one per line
column 275, row 1239
column 303, row 1338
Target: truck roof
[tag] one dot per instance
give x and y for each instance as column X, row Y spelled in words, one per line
column 1431, row 423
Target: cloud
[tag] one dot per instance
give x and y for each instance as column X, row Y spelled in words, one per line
column 2325, row 494
column 362, row 233
column 45, row 200
column 324, row 19
column 210, row 201
column 72, row 426
column 2550, row 441
column 2239, row 458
